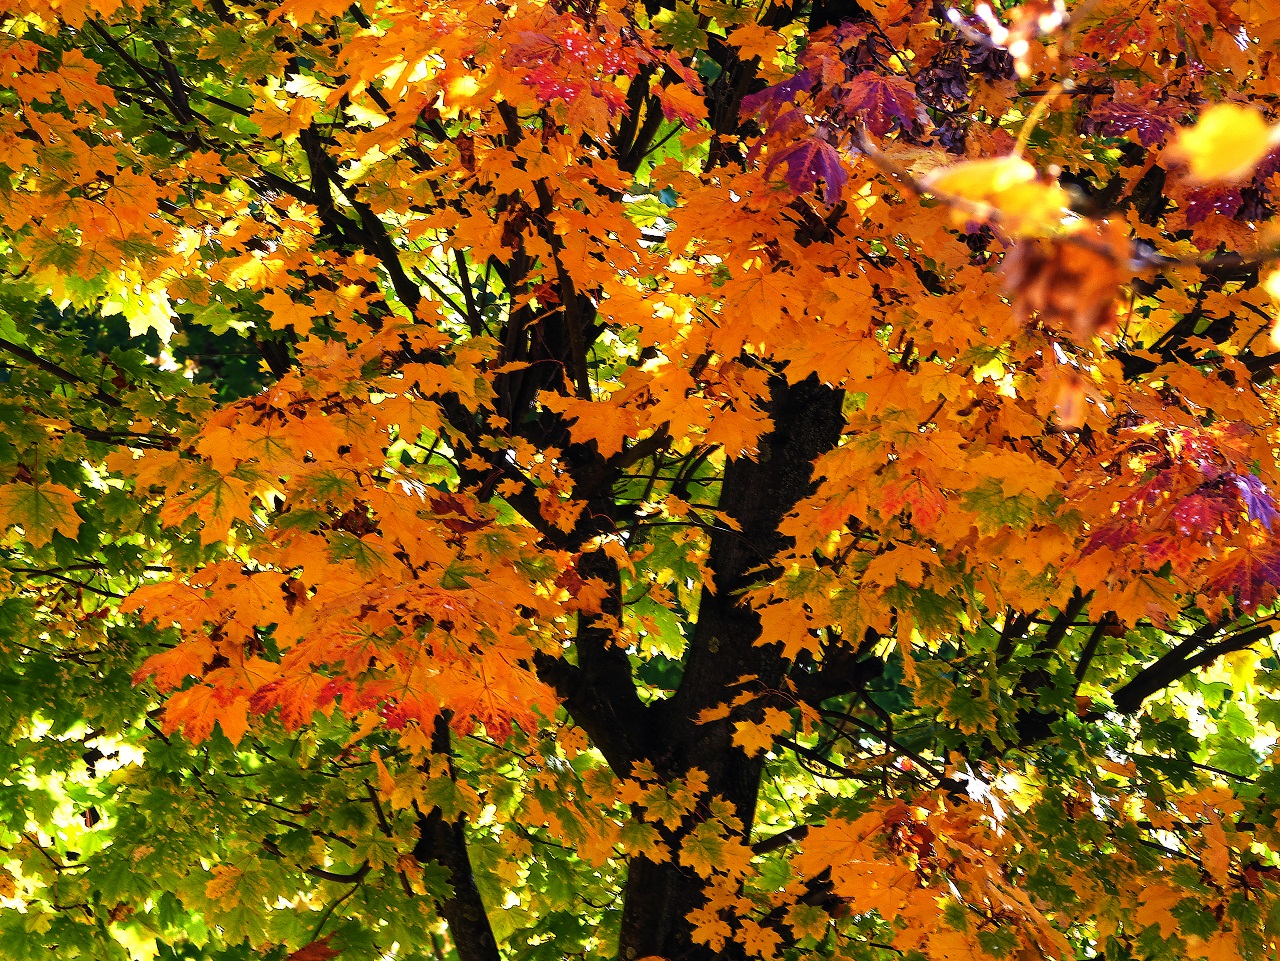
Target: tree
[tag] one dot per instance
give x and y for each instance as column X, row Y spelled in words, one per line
column 672, row 479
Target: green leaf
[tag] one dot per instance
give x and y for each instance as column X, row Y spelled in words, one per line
column 680, row 27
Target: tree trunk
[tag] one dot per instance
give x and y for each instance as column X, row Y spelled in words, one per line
column 757, row 493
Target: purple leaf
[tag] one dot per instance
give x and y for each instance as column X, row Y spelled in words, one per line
column 1212, row 200
column 808, row 162
column 1115, row 119
column 775, row 96
column 1267, row 166
column 1257, row 499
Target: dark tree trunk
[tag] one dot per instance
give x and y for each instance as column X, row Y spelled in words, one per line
column 757, row 493
column 445, row 842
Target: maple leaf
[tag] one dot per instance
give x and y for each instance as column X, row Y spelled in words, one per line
column 883, row 103
column 1116, row 117
column 1258, row 500
column 40, row 509
column 1226, row 143
column 198, row 708
column 808, row 920
column 709, row 927
column 1154, row 910
column 1216, row 199
column 1145, row 597
column 667, row 804
column 683, row 103
column 925, row 501
column 704, row 849
column 757, row 40
column 769, row 100
column 970, row 711
column 1071, row 283
column 217, row 499
column 590, row 455
column 809, row 161
column 608, row 425
column 904, row 563
column 298, row 696
column 305, row 11
column 837, row 842
column 283, row 311
column 1251, row 575
column 754, row 737
column 679, row 27
column 317, row 950
column 223, row 882
column 78, row 81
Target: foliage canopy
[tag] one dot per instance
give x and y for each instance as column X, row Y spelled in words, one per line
column 677, row 478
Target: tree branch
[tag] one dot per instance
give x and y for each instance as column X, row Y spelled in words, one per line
column 844, row 670
column 781, row 840
column 1178, row 663
column 599, row 693
column 60, row 372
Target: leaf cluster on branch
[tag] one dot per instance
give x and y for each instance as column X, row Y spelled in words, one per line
column 639, row 479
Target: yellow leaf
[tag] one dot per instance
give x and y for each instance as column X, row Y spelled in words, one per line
column 198, row 708
column 756, row 40
column 215, row 498
column 836, row 843
column 1145, row 597
column 1156, row 902
column 808, row 921
column 904, row 563
column 223, row 883
column 667, row 803
column 1273, row 284
column 234, row 719
column 760, row 941
column 145, row 306
column 608, row 424
column 1010, row 187
column 1223, row 946
column 948, row 945
column 1215, row 855
column 702, row 850
column 754, row 737
column 1273, row 288
column 640, row 838
column 708, row 927
column 1226, row 143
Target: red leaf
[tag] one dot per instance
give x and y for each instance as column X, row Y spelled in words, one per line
column 808, row 162
column 1214, row 199
column 883, row 102
column 315, row 951
column 1250, row 574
